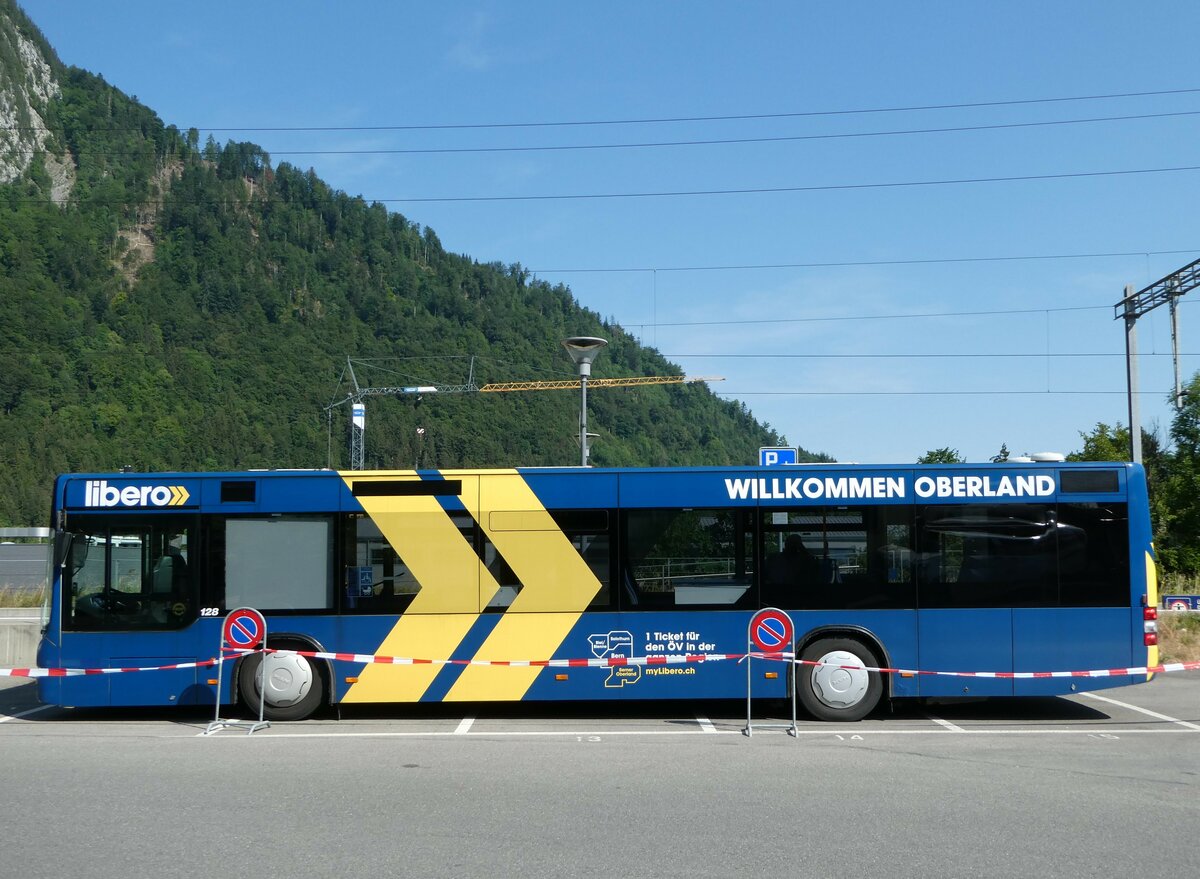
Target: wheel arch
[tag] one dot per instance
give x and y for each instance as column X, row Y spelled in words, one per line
column 858, row 633
column 298, row 641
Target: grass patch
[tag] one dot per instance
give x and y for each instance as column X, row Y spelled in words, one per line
column 1179, row 637
column 1179, row 584
column 10, row 597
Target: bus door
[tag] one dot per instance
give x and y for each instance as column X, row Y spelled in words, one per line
column 973, row 563
column 1097, row 623
column 129, row 600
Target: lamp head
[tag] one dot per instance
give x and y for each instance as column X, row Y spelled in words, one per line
column 583, row 350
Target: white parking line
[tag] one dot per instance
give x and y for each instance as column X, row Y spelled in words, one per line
column 945, row 723
column 464, row 726
column 705, row 724
column 276, row 733
column 1145, row 711
column 5, row 718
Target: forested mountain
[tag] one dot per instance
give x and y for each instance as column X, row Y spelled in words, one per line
column 171, row 304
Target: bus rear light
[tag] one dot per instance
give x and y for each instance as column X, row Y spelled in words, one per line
column 1151, row 639
column 1150, row 613
column 1150, row 626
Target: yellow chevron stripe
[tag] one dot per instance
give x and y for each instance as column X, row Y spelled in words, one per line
column 557, row 586
column 421, row 636
column 451, row 579
column 1151, row 601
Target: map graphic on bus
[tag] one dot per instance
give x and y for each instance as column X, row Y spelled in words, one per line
column 608, row 644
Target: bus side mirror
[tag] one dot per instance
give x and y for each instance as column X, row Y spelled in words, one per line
column 68, row 545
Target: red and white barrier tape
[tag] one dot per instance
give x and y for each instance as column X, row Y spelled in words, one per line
column 1028, row 675
column 680, row 659
column 77, row 672
column 612, row 662
column 606, row 662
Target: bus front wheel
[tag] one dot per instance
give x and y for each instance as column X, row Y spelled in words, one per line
column 830, row 690
column 294, row 685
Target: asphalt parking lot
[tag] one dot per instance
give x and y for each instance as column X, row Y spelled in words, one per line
column 1091, row 784
column 1170, row 705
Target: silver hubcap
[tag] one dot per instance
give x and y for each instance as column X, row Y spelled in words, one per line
column 289, row 678
column 839, row 687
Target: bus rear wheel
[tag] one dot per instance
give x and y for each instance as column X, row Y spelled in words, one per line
column 831, row 692
column 295, row 686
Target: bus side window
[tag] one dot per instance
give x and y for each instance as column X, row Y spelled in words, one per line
column 700, row 557
column 279, row 563
column 1093, row 554
column 169, row 598
column 837, row 558
column 377, row 579
column 983, row 555
column 587, row 531
column 131, row 574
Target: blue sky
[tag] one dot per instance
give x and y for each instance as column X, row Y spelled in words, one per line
column 871, row 322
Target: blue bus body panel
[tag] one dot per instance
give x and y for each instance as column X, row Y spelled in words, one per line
column 1049, row 639
column 976, row 639
column 93, row 650
column 1073, row 639
column 573, row 489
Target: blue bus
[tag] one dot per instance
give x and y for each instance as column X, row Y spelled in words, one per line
column 1028, row 567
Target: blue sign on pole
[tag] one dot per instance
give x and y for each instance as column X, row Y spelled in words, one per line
column 771, row 457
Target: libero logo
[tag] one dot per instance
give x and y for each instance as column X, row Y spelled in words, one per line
column 98, row 493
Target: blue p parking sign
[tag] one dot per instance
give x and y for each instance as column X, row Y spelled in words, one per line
column 771, row 457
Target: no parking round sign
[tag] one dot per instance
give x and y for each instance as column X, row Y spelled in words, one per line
column 771, row 630
column 244, row 628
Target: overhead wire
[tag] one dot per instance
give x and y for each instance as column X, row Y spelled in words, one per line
column 972, row 393
column 966, row 105
column 1039, row 355
column 773, row 190
column 865, row 262
column 720, row 141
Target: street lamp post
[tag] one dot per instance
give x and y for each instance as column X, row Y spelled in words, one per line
column 583, row 350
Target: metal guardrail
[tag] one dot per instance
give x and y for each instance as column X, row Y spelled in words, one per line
column 22, row 565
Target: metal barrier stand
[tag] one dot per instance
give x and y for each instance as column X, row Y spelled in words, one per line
column 244, row 629
column 771, row 630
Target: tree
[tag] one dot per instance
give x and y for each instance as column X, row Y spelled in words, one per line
column 944, row 455
column 1111, row 443
column 1001, row 456
column 1105, row 443
column 1175, row 498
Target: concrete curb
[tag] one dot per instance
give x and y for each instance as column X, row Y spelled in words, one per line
column 20, row 629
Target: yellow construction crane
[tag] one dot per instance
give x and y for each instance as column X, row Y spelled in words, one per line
column 357, row 395
column 628, row 382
